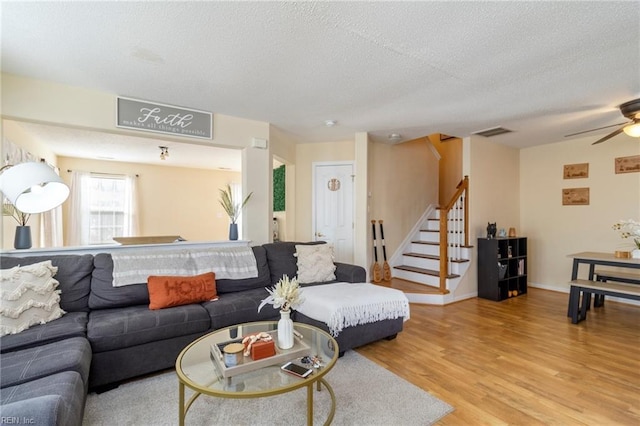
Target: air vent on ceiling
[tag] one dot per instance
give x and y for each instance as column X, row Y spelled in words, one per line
column 494, row 131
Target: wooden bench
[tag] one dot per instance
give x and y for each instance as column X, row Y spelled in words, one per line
column 605, row 275
column 578, row 305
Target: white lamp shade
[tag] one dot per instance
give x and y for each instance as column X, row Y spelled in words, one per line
column 632, row 130
column 33, row 187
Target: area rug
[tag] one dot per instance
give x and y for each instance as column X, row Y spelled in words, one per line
column 366, row 394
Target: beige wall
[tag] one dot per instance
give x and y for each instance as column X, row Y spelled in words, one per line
column 45, row 102
column 494, row 196
column 555, row 231
column 403, row 183
column 450, row 166
column 283, row 150
column 173, row 200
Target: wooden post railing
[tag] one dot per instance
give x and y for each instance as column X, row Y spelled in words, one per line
column 455, row 211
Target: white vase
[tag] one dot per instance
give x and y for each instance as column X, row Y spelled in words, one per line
column 285, row 330
column 635, row 254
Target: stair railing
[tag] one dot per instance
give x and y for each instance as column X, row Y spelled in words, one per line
column 454, row 230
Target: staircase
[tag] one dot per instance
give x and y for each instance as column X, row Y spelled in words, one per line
column 436, row 254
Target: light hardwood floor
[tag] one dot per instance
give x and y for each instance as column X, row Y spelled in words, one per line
column 521, row 361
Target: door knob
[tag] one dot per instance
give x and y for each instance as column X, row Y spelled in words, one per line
column 319, row 234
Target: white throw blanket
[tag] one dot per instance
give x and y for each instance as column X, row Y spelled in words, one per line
column 226, row 262
column 342, row 305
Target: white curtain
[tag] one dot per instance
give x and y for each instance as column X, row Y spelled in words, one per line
column 51, row 225
column 79, row 215
column 132, row 224
column 51, row 228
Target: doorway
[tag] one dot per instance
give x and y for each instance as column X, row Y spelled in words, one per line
column 333, row 207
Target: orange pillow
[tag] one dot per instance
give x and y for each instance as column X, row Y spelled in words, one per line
column 165, row 292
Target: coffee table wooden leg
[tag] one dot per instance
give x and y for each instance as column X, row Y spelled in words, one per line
column 181, row 404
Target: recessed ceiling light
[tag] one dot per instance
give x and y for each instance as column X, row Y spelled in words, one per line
column 395, row 137
column 330, row 123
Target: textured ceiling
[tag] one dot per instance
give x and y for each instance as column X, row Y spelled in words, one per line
column 541, row 69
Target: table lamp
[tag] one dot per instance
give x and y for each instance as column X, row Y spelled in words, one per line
column 31, row 188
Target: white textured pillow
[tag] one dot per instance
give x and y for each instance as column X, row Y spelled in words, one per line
column 28, row 297
column 315, row 263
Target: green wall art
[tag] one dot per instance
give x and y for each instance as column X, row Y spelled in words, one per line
column 278, row 189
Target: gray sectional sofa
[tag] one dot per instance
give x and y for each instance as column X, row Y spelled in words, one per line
column 109, row 334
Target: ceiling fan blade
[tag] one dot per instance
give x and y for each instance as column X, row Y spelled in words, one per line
column 593, row 130
column 609, row 136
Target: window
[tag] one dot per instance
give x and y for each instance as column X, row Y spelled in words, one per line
column 102, row 207
column 107, row 208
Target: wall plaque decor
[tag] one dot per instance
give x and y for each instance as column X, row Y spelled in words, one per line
column 161, row 118
column 575, row 197
column 628, row 164
column 333, row 184
column 576, row 171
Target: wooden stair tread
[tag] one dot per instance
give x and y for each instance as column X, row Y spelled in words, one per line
column 433, row 257
column 431, row 243
column 407, row 286
column 423, row 271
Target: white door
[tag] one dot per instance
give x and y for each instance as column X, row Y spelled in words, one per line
column 333, row 207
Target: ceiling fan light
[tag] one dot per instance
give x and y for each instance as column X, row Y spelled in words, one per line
column 632, row 130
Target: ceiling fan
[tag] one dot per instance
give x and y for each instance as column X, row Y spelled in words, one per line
column 631, row 110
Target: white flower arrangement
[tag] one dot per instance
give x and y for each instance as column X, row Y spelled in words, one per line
column 629, row 229
column 286, row 295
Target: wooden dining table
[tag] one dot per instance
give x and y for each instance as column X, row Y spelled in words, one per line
column 592, row 259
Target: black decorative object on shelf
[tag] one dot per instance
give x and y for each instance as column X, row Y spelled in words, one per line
column 491, row 230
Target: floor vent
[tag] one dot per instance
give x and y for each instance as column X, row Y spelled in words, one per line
column 494, row 131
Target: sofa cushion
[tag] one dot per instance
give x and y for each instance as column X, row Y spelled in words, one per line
column 315, row 263
column 72, row 324
column 52, row 400
column 239, row 307
column 110, row 329
column 74, row 276
column 168, row 291
column 105, row 296
column 30, row 364
column 281, row 259
column 261, row 281
column 28, row 297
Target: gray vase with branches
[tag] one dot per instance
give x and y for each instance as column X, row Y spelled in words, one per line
column 232, row 208
column 23, row 231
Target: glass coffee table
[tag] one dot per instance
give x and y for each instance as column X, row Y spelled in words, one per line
column 201, row 368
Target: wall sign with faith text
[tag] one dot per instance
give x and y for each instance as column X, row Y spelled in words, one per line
column 161, row 118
